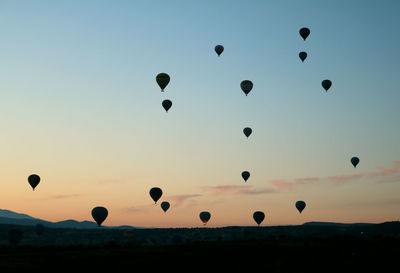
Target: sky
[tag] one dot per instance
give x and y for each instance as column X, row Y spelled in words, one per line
column 79, row 106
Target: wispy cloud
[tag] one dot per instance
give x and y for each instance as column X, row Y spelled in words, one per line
column 178, row 200
column 236, row 189
column 137, row 209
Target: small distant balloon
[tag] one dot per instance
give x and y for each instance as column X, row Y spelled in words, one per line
column 355, row 160
column 219, row 49
column 247, row 131
column 300, row 205
column 165, row 206
column 34, row 180
column 162, row 80
column 326, row 84
column 246, row 86
column 302, row 56
column 245, row 175
column 167, row 105
column 304, row 32
column 205, row 217
column 155, row 194
column 99, row 214
column 258, row 216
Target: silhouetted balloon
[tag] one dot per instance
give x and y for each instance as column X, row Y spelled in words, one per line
column 304, row 32
column 162, row 80
column 167, row 104
column 247, row 131
column 246, row 86
column 245, row 175
column 14, row 236
column 300, row 205
column 258, row 216
column 326, row 84
column 205, row 216
column 165, row 206
column 302, row 56
column 155, row 194
column 355, row 160
column 34, row 180
column 99, row 214
column 219, row 49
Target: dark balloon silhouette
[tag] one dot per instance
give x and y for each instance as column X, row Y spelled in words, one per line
column 167, row 105
column 165, row 206
column 219, row 49
column 258, row 216
column 205, row 217
column 247, row 131
column 246, row 86
column 245, row 175
column 162, row 80
column 355, row 160
column 300, row 205
column 326, row 84
column 99, row 214
column 155, row 194
column 304, row 32
column 34, row 180
column 14, row 236
column 302, row 56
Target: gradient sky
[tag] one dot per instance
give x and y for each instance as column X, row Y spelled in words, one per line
column 79, row 105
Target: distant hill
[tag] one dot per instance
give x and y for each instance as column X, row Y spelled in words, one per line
column 10, row 214
column 335, row 224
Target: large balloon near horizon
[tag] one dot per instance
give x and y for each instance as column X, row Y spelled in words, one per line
column 205, row 217
column 304, row 32
column 326, row 84
column 99, row 214
column 219, row 49
column 162, row 80
column 300, row 205
column 155, row 194
column 355, row 160
column 34, row 180
column 245, row 175
column 246, row 86
column 258, row 216
column 165, row 206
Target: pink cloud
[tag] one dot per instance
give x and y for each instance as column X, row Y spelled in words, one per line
column 282, row 184
column 177, row 200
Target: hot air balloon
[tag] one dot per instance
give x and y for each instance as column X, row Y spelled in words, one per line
column 326, row 84
column 205, row 216
column 247, row 131
column 219, row 49
column 162, row 80
column 258, row 216
column 304, row 32
column 167, row 105
column 300, row 205
column 99, row 214
column 165, row 206
column 355, row 160
column 302, row 56
column 245, row 175
column 246, row 86
column 155, row 194
column 34, row 180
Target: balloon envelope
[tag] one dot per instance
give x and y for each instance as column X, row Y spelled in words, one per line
column 219, row 49
column 304, row 32
column 302, row 56
column 155, row 194
column 258, row 216
column 300, row 205
column 326, row 84
column 355, row 160
column 245, row 175
column 162, row 80
column 34, row 180
column 205, row 216
column 167, row 105
column 99, row 214
column 165, row 206
column 247, row 131
column 246, row 86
